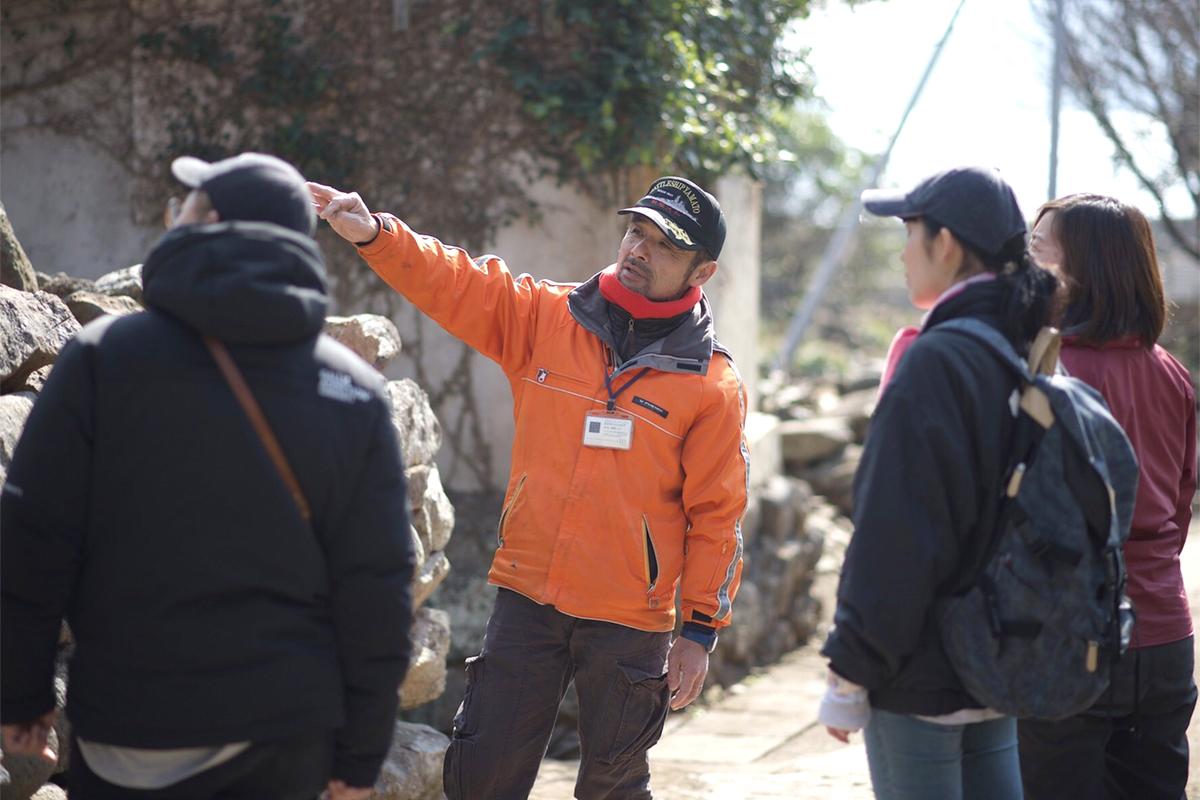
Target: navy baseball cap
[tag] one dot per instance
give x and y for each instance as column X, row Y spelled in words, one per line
column 252, row 186
column 973, row 202
column 689, row 216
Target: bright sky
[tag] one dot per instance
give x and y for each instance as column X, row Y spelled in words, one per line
column 987, row 101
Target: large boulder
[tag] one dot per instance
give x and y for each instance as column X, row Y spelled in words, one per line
column 62, row 725
column 87, row 306
column 429, row 576
column 413, row 767
column 61, row 284
column 774, row 611
column 14, row 410
column 426, row 678
column 33, row 382
column 432, row 513
column 417, row 428
column 125, row 282
column 781, row 506
column 808, row 440
column 33, row 328
column 857, row 407
column 466, row 595
column 834, row 478
column 374, row 338
column 15, row 269
column 26, row 774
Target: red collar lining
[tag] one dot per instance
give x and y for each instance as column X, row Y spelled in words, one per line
column 641, row 307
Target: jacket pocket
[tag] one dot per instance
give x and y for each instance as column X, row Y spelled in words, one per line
column 512, row 501
column 561, row 380
column 649, row 556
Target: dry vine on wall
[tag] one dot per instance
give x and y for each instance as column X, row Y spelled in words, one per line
column 444, row 113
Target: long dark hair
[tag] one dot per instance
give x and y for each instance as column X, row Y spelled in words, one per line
column 1113, row 285
column 1030, row 300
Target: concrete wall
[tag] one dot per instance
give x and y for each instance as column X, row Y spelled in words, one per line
column 69, row 203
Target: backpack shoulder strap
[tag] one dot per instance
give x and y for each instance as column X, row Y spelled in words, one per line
column 1043, row 360
column 1044, row 352
column 991, row 338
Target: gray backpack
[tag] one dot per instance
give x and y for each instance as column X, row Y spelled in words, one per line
column 1038, row 624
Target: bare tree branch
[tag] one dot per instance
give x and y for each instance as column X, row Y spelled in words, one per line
column 1144, row 58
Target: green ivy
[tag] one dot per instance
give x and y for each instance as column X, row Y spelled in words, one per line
column 640, row 82
column 285, row 83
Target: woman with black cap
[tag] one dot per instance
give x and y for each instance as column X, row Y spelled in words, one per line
column 926, row 493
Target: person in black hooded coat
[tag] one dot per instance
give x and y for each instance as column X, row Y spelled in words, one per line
column 224, row 645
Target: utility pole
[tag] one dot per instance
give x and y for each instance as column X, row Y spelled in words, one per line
column 843, row 236
column 1056, row 81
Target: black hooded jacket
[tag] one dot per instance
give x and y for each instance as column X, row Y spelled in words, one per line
column 926, row 497
column 141, row 505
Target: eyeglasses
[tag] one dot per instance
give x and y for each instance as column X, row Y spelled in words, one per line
column 171, row 212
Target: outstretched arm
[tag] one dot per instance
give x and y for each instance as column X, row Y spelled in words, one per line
column 476, row 300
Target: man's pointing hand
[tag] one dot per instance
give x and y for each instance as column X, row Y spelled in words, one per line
column 345, row 212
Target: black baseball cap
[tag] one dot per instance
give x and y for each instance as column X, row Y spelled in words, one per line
column 689, row 216
column 252, row 186
column 973, row 202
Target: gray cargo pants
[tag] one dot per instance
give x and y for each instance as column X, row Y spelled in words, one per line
column 530, row 655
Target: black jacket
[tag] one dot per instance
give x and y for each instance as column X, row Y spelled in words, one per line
column 142, row 506
column 926, row 496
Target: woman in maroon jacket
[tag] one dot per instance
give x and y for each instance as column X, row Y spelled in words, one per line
column 1133, row 742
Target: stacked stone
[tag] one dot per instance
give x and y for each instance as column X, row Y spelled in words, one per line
column 823, row 428
column 39, row 314
column 783, row 535
column 413, row 769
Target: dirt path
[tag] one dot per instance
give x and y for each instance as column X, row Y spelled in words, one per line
column 760, row 739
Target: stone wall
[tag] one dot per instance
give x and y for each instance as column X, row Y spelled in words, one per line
column 39, row 314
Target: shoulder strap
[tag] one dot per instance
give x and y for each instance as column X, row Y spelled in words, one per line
column 1043, row 353
column 1043, row 360
column 990, row 337
column 245, row 397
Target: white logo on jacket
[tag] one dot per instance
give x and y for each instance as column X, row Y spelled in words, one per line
column 341, row 387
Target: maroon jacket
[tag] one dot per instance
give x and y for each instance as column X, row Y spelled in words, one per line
column 1151, row 395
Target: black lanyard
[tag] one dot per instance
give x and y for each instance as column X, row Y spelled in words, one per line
column 612, row 396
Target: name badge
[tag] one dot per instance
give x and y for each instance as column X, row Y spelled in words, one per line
column 609, row 429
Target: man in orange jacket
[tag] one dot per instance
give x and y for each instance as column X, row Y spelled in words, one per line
column 628, row 485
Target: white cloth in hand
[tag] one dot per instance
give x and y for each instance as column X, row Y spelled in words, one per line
column 845, row 705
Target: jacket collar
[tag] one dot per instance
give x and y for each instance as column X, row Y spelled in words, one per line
column 984, row 299
column 687, row 348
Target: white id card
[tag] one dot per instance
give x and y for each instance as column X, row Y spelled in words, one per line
column 608, row 429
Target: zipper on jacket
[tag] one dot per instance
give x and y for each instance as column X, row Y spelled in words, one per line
column 649, row 555
column 543, row 375
column 508, row 507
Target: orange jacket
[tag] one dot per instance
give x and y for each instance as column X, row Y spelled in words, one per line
column 597, row 533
